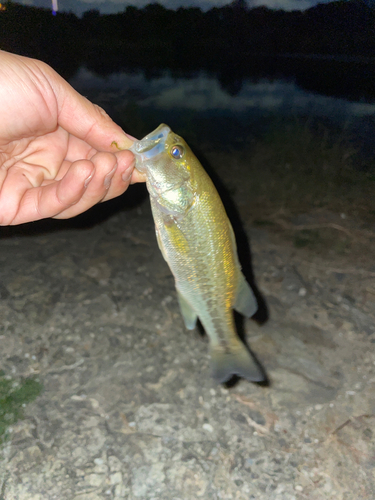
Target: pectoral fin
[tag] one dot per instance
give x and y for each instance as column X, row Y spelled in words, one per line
column 188, row 313
column 245, row 302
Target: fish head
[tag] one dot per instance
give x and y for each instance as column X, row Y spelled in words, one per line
column 164, row 157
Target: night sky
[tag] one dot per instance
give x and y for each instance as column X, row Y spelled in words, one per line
column 113, row 6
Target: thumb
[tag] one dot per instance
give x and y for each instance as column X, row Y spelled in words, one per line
column 87, row 121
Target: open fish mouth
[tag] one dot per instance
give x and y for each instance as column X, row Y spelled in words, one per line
column 151, row 145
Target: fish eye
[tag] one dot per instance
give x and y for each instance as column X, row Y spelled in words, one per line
column 177, row 152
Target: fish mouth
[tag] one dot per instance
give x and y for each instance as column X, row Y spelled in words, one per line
column 151, row 145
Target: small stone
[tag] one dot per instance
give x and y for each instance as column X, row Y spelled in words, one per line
column 95, row 479
column 120, row 491
column 116, row 478
column 208, row 427
column 114, row 463
column 75, row 397
column 94, row 403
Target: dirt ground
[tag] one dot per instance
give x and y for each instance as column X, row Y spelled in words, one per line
column 127, row 407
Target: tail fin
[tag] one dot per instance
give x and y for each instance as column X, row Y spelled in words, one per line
column 234, row 359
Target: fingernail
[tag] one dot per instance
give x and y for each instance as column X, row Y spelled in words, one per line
column 87, row 181
column 130, row 136
column 108, row 177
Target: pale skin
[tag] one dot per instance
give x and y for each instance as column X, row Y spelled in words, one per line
column 59, row 153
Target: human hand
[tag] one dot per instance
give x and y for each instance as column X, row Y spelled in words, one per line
column 58, row 154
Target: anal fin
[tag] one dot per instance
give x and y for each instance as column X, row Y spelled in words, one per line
column 245, row 302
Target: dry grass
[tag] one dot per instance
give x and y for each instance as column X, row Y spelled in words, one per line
column 298, row 168
column 303, row 183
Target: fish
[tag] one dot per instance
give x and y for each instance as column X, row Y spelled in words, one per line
column 197, row 241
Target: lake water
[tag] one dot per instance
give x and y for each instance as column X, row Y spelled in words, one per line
column 203, row 94
column 202, row 101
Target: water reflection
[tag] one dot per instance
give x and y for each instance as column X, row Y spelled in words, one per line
column 203, row 93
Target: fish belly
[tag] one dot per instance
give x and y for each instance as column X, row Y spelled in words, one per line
column 200, row 254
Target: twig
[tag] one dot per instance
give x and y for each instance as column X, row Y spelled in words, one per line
column 351, row 420
column 66, row 367
column 260, row 428
column 300, row 227
column 270, row 417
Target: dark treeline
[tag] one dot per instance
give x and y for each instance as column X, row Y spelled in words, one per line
column 225, row 41
column 34, row 32
column 343, row 27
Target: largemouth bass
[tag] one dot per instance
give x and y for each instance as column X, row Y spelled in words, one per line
column 197, row 241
